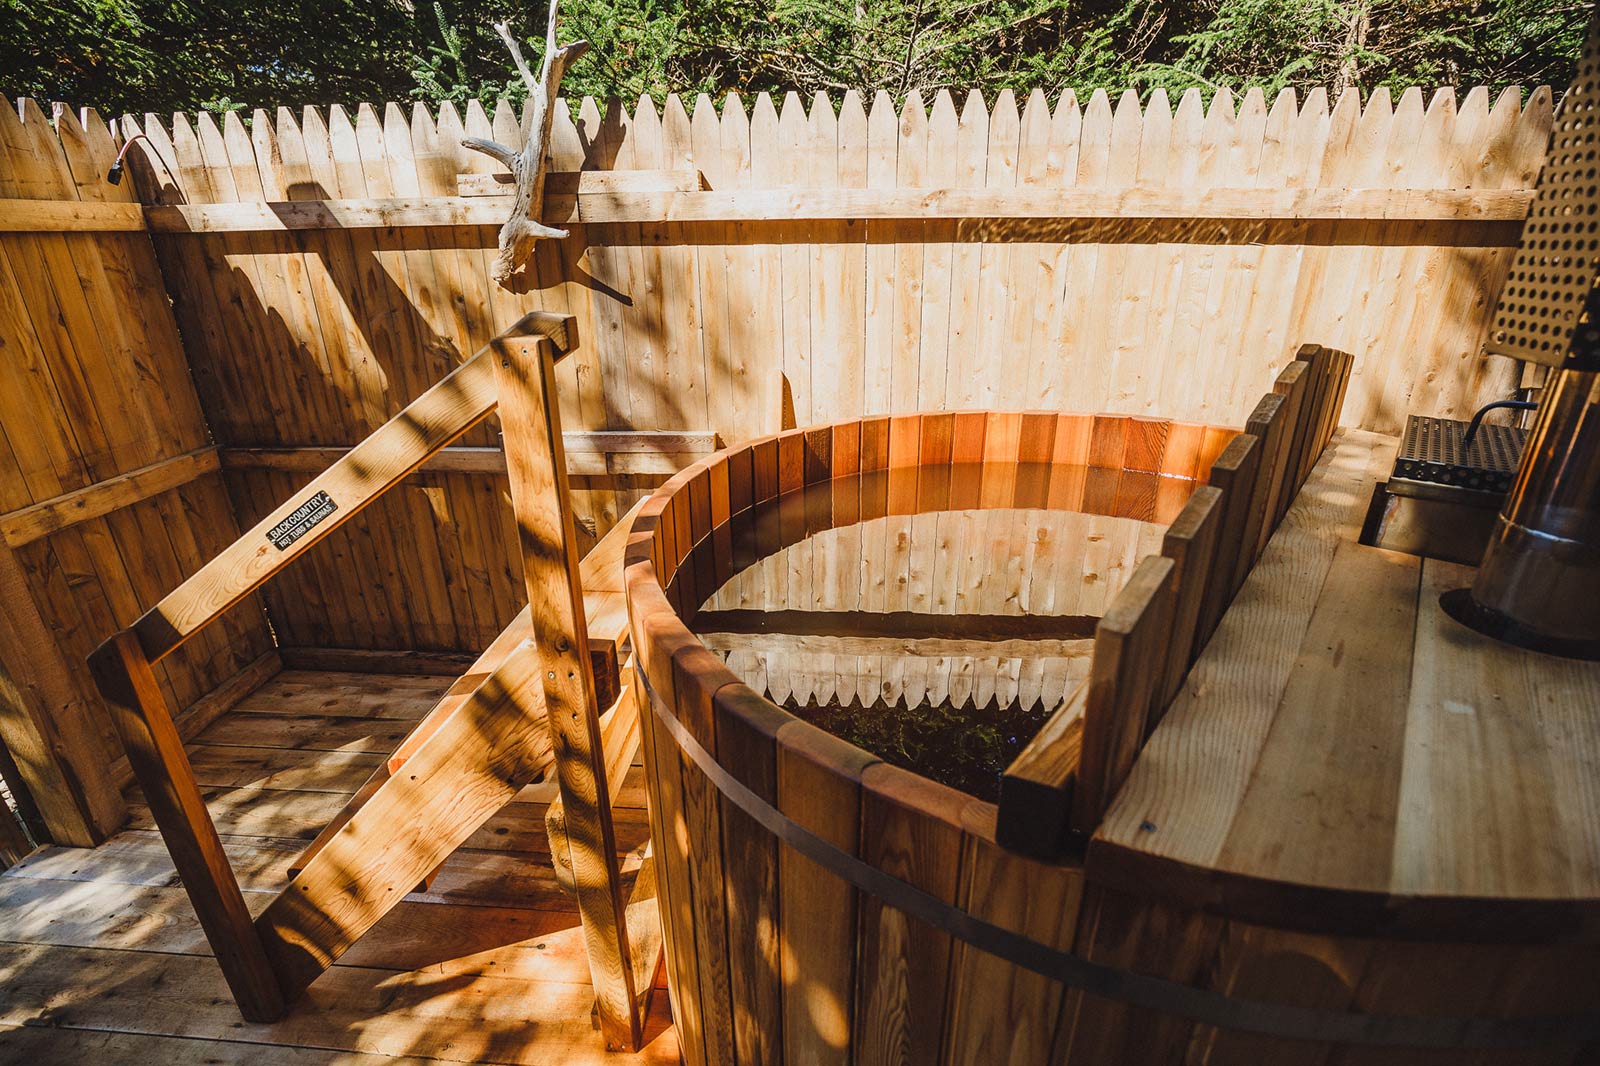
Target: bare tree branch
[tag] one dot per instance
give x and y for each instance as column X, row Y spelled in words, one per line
column 528, row 166
column 507, row 157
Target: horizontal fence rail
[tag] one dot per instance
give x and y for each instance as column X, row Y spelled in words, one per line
column 1309, row 205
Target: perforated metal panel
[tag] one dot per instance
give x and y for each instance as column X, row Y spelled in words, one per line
column 1432, row 455
column 1554, row 272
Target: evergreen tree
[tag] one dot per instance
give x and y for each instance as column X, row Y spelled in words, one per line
column 161, row 55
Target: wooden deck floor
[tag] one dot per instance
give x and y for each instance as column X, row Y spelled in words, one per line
column 102, row 960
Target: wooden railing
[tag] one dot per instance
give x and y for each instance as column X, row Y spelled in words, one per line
column 1061, row 784
column 499, row 738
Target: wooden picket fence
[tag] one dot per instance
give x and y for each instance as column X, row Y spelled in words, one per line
column 110, row 494
column 938, row 564
column 1187, row 250
column 733, row 326
column 734, row 268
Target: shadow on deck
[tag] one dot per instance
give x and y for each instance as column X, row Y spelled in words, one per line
column 102, row 959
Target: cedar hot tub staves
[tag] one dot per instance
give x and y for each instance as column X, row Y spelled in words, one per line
column 773, row 957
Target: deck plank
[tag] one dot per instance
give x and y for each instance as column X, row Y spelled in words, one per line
column 458, row 1018
column 69, row 1047
column 1250, row 656
column 103, row 960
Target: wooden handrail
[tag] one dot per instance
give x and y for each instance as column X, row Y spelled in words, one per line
column 133, row 695
column 537, row 471
column 269, row 961
column 440, row 415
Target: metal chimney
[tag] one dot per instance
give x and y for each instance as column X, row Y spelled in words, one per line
column 1539, row 583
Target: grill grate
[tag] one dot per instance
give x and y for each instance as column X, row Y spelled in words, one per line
column 1432, row 454
column 1555, row 265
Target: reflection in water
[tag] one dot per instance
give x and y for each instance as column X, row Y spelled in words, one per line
column 893, row 611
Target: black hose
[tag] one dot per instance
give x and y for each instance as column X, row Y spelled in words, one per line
column 1477, row 419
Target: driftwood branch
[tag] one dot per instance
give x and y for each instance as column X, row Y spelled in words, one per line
column 528, row 166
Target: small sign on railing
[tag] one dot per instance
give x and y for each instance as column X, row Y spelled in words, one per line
column 301, row 520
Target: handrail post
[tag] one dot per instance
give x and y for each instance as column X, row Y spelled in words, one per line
column 530, row 420
column 124, row 677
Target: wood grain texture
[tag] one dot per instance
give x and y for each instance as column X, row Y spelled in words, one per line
column 28, row 524
column 911, row 828
column 1316, row 823
column 1315, row 654
column 819, row 787
column 156, row 753
column 1269, row 423
column 440, row 415
column 1191, row 543
column 1125, row 681
column 1399, row 826
column 588, row 455
column 1469, row 710
column 347, row 325
column 95, row 391
column 44, row 724
column 479, row 758
column 1266, row 624
column 524, row 373
column 1036, row 789
column 68, row 216
column 452, row 974
column 499, row 737
column 914, row 199
column 772, row 955
column 1007, row 1011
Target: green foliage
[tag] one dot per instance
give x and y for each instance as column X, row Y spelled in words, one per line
column 1278, row 44
column 442, row 73
column 162, row 55
column 966, row 748
column 637, row 47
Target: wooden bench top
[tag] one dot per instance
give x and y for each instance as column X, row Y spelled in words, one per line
column 1345, row 758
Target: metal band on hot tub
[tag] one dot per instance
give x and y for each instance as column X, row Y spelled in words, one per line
column 1125, row 986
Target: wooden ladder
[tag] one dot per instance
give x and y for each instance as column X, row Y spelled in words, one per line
column 528, row 706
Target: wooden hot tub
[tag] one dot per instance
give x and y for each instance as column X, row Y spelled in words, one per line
column 824, row 906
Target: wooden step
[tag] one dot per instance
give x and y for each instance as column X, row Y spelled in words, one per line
column 606, row 616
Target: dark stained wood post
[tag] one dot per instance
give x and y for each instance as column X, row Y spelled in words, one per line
column 1234, row 473
column 1191, row 543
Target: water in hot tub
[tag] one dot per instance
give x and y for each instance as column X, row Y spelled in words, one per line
column 938, row 639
